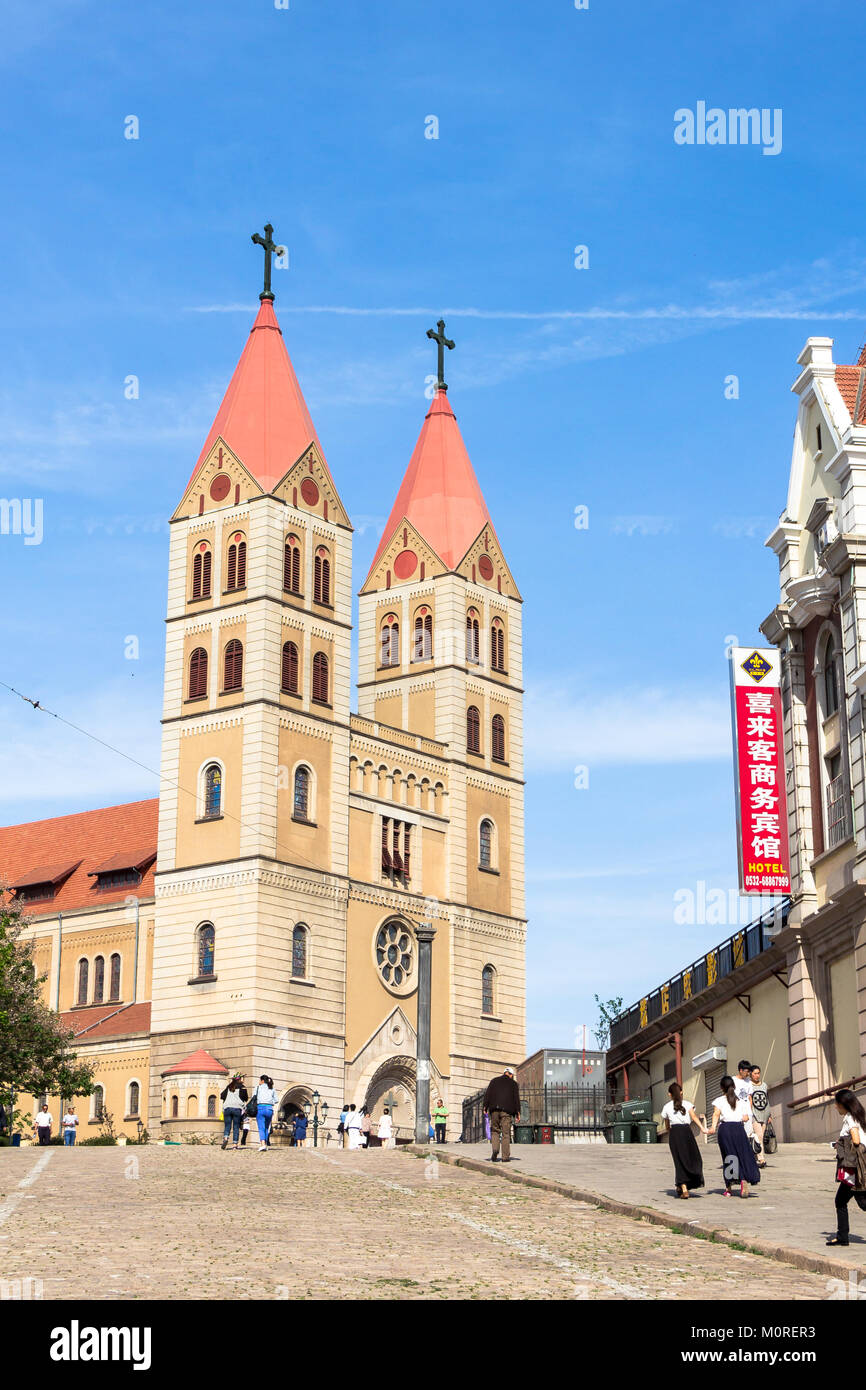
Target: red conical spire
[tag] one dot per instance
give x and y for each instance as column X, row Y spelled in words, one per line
column 439, row 494
column 263, row 417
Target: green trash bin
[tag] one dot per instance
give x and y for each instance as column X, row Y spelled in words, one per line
column 637, row 1110
column 647, row 1132
column 620, row 1132
column 523, row 1134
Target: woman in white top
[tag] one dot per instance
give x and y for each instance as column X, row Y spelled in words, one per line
column 730, row 1117
column 266, row 1099
column 384, row 1129
column 679, row 1115
column 853, row 1127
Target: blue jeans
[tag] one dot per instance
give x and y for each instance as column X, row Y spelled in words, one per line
column 231, row 1124
column 69, row 1137
column 264, row 1115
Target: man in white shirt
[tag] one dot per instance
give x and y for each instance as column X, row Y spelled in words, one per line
column 70, row 1125
column 43, row 1122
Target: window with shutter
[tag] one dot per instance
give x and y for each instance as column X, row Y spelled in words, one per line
column 242, row 565
column 320, row 678
column 234, row 666
column 236, row 568
column 290, row 668
column 198, row 674
column 473, row 730
column 322, row 576
column 390, row 643
column 472, row 646
column 114, row 987
column 232, row 568
column 423, row 645
column 196, row 576
column 497, row 738
column 292, row 566
column 497, row 645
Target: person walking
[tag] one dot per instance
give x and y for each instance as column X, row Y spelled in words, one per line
column 265, row 1098
column 743, row 1087
column 440, row 1120
column 384, row 1129
column 730, row 1118
column 502, row 1104
column 341, row 1127
column 851, row 1171
column 353, row 1127
column 300, row 1130
column 270, row 1081
column 366, row 1126
column 246, row 1125
column 234, row 1098
column 760, row 1111
column 679, row 1115
column 70, row 1125
column 42, row 1124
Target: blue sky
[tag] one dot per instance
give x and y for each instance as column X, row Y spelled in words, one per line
column 601, row 387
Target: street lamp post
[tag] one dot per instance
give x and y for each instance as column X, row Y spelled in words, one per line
column 424, row 932
column 315, row 1108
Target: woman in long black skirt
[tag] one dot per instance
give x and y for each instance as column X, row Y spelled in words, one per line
column 679, row 1115
column 730, row 1117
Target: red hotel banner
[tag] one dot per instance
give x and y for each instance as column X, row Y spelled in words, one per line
column 759, row 771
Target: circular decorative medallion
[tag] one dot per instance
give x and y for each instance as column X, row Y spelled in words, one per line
column 220, row 487
column 485, row 567
column 309, row 492
column 405, row 564
column 394, row 951
column 203, row 547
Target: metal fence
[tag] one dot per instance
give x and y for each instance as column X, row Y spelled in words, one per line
column 570, row 1109
column 722, row 960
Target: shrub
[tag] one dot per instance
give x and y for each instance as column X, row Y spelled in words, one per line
column 101, row 1139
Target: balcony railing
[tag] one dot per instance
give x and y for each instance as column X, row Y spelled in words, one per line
column 838, row 811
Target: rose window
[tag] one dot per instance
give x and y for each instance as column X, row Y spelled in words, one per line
column 394, row 948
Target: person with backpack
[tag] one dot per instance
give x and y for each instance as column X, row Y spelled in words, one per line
column 851, row 1170
column 234, row 1098
column 261, row 1107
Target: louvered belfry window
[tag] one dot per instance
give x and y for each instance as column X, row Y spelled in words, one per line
column 390, row 646
column 290, row 668
column 236, row 573
column 198, row 674
column 423, row 647
column 473, row 730
column 396, row 849
column 322, row 576
column 234, row 666
column 497, row 738
column 201, row 573
column 292, row 567
column 472, row 643
column 320, row 678
column 497, row 645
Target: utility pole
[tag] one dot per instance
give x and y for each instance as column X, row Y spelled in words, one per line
column 424, row 934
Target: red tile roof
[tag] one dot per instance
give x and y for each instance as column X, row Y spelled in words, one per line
column 439, row 494
column 90, row 837
column 107, row 1021
column 848, row 379
column 200, row 1061
column 263, row 417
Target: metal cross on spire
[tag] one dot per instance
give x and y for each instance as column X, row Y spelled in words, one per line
column 442, row 343
column 270, row 248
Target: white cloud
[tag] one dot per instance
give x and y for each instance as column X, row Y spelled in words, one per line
column 638, row 725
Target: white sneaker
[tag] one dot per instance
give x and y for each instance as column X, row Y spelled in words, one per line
column 263, row 1148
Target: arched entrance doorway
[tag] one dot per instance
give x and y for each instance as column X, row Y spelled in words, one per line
column 393, row 1084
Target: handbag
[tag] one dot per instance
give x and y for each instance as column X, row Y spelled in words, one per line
column 252, row 1107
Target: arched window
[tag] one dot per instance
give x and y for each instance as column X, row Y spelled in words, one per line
column 497, row 645
column 236, row 571
column 497, row 738
column 473, row 649
column 301, row 798
column 114, row 987
column 202, row 566
column 83, row 978
column 198, row 674
column 488, row 993
column 174, row 1107
column 485, row 844
column 205, row 949
column 211, row 1107
column 423, row 649
column 134, row 1098
column 831, row 680
column 234, row 666
column 292, row 566
column 289, row 680
column 213, row 791
column 322, row 576
column 473, row 730
column 98, row 979
column 320, row 678
column 390, row 646
column 97, row 1103
column 299, row 951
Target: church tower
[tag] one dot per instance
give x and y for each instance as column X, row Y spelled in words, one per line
column 253, row 818
column 440, row 655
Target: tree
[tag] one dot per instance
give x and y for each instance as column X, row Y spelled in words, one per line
column 35, row 1049
column 607, row 1011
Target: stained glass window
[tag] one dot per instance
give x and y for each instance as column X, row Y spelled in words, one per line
column 485, row 844
column 98, row 979
column 213, row 787
column 299, row 951
column 206, row 946
column 487, row 978
column 394, row 954
column 302, row 794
